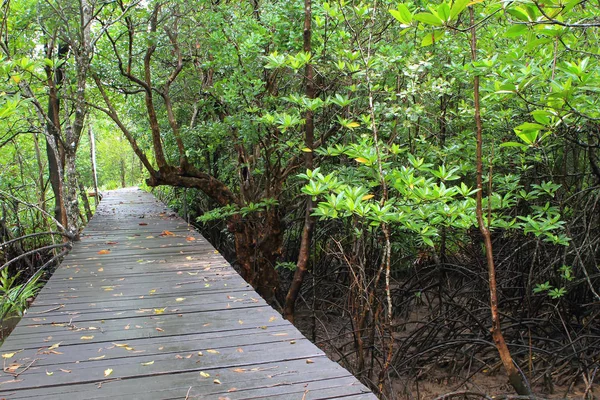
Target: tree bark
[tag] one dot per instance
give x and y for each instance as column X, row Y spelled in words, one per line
column 93, row 162
column 309, row 138
column 54, row 149
column 514, row 376
column 84, row 200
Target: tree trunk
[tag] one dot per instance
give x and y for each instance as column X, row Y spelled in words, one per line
column 122, row 170
column 309, row 132
column 54, row 149
column 257, row 246
column 93, row 160
column 516, row 379
column 84, row 199
column 72, row 202
column 40, row 178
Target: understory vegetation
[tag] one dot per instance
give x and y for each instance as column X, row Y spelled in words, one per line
column 415, row 185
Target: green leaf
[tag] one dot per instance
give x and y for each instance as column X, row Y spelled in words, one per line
column 541, row 116
column 443, row 11
column 432, row 37
column 429, row 19
column 518, row 13
column 529, row 126
column 457, row 8
column 513, row 144
column 402, row 14
column 515, row 30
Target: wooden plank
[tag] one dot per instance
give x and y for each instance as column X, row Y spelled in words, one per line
column 147, row 317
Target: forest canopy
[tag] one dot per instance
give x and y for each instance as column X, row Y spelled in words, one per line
column 422, row 176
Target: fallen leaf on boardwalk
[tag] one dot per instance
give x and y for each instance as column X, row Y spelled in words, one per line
column 263, row 327
column 200, row 354
column 120, row 344
column 160, row 330
column 104, row 252
column 272, row 319
column 232, row 390
column 152, row 291
column 216, row 381
column 87, row 337
column 54, row 346
column 204, row 374
column 100, row 269
column 309, row 361
column 112, row 243
column 96, row 358
column 159, row 310
column 167, row 233
column 239, row 370
column 149, row 237
column 189, row 258
column 49, row 373
column 127, row 327
column 211, row 351
column 8, row 355
column 216, row 251
column 190, row 238
column 240, row 350
column 240, row 322
column 292, row 342
column 180, row 299
column 148, row 363
column 143, row 224
column 108, row 371
column 13, row 368
column 68, row 371
column 193, row 273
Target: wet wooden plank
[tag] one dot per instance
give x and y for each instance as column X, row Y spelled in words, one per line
column 143, row 307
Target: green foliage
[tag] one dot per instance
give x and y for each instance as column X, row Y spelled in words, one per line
column 14, row 296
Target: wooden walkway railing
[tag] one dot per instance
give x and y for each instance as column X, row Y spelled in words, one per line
column 145, row 308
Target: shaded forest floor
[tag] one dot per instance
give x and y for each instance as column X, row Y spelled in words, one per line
column 432, row 381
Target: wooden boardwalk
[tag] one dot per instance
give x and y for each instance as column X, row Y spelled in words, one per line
column 145, row 308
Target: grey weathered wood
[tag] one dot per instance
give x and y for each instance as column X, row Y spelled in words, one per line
column 155, row 311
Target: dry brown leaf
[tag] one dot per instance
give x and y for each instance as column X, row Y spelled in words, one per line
column 104, row 252
column 87, row 337
column 190, row 238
